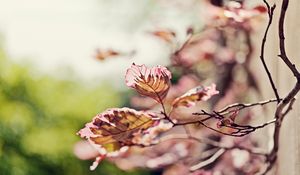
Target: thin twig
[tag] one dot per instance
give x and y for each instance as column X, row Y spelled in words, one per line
column 238, row 130
column 262, row 50
column 241, row 106
column 160, row 100
column 212, row 159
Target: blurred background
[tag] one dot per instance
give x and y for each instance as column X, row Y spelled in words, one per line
column 51, row 83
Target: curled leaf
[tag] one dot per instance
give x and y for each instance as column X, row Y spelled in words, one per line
column 166, row 35
column 224, row 122
column 227, row 121
column 103, row 54
column 115, row 128
column 199, row 93
column 233, row 114
column 152, row 82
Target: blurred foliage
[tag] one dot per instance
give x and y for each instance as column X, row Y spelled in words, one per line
column 39, row 118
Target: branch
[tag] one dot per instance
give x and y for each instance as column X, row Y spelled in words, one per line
column 262, row 51
column 221, row 151
column 164, row 112
column 240, row 130
column 228, row 122
column 241, row 106
column 283, row 54
column 290, row 97
column 210, row 160
column 279, row 116
column 290, row 107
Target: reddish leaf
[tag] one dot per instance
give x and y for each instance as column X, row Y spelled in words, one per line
column 103, row 54
column 166, row 35
column 227, row 121
column 199, row 93
column 115, row 128
column 152, row 82
column 224, row 122
column 260, row 8
column 233, row 114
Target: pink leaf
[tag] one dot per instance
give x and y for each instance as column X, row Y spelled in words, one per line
column 115, row 128
column 194, row 95
column 152, row 82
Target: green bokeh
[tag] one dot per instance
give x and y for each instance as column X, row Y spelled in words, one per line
column 39, row 118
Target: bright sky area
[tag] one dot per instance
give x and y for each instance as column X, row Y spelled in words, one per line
column 62, row 35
